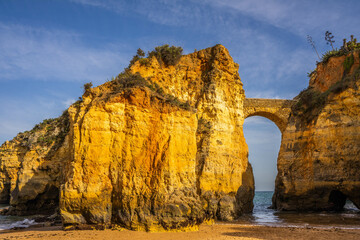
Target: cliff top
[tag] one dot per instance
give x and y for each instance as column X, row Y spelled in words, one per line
column 166, row 74
column 330, row 78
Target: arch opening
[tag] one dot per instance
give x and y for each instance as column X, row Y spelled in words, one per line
column 263, row 138
column 337, row 199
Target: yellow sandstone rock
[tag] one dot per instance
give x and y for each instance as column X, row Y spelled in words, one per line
column 318, row 163
column 31, row 168
column 142, row 160
column 161, row 148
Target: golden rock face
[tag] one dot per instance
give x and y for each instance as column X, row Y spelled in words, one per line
column 333, row 71
column 165, row 150
column 31, row 168
column 140, row 161
column 318, row 163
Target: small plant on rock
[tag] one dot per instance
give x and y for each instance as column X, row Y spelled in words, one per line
column 87, row 87
column 312, row 43
column 167, row 55
column 328, row 39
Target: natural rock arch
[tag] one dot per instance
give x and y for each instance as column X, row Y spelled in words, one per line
column 276, row 110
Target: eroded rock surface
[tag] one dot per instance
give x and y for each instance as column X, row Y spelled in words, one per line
column 318, row 163
column 31, row 168
column 162, row 157
column 162, row 148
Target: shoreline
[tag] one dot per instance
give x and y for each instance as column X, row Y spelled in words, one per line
column 215, row 231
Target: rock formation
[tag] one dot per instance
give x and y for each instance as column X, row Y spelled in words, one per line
column 31, row 167
column 319, row 163
column 166, row 156
column 159, row 148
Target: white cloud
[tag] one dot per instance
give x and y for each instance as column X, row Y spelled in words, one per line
column 300, row 17
column 53, row 54
column 166, row 12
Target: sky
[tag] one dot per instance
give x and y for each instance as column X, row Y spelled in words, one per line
column 49, row 49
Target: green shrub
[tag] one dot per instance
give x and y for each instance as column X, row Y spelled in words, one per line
column 139, row 55
column 140, row 52
column 167, row 55
column 144, row 62
column 332, row 53
column 129, row 80
column 310, row 102
column 164, row 54
column 87, row 86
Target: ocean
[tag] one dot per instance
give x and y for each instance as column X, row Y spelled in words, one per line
column 9, row 222
column 262, row 215
column 349, row 218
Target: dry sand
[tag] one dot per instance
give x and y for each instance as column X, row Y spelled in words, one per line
column 216, row 231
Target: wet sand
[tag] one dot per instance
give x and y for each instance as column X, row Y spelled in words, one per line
column 216, row 231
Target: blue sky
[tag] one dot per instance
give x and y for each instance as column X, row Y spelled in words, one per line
column 49, row 49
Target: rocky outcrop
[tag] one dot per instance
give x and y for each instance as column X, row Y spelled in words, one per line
column 160, row 147
column 31, row 166
column 318, row 163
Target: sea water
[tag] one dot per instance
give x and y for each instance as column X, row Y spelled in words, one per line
column 349, row 218
column 10, row 222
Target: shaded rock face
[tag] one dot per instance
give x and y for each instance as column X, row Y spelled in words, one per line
column 318, row 163
column 31, row 166
column 142, row 160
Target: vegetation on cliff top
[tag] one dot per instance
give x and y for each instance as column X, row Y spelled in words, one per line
column 347, row 48
column 47, row 128
column 49, row 134
column 126, row 80
column 166, row 55
column 311, row 101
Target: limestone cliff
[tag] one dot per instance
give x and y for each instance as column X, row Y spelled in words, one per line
column 318, row 163
column 31, row 166
column 160, row 147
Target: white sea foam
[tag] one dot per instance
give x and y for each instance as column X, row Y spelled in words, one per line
column 18, row 224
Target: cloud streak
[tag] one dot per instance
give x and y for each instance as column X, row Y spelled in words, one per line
column 299, row 17
column 264, row 58
column 44, row 54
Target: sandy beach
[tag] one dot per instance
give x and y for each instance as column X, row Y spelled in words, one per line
column 216, row 231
